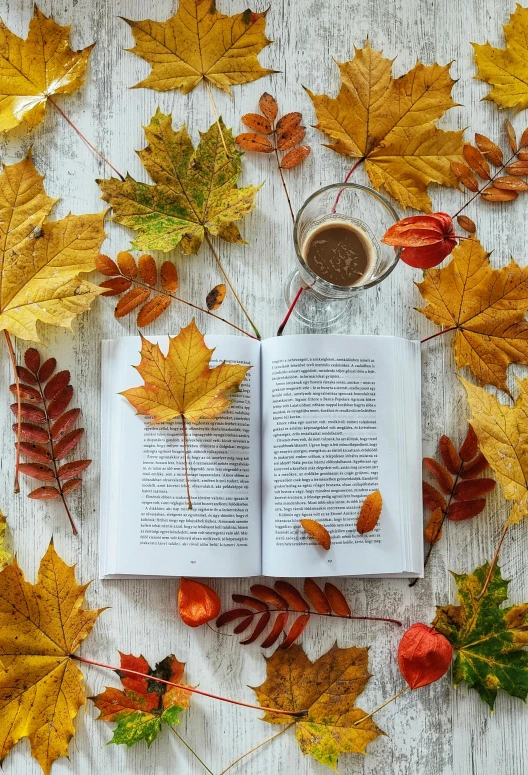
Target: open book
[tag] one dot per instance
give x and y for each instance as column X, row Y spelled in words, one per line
column 320, row 422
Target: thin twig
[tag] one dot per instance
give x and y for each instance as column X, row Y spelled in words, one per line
column 217, row 117
column 256, row 747
column 186, row 744
column 16, row 486
column 284, row 184
column 85, row 139
column 493, row 562
column 394, row 697
column 228, row 281
column 438, row 333
column 53, row 460
column 191, row 689
column 184, row 428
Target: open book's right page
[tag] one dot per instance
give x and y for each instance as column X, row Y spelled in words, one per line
column 340, row 419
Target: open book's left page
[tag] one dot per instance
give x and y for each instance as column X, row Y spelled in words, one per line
column 147, row 528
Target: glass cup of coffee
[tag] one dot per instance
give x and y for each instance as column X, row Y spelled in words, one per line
column 337, row 236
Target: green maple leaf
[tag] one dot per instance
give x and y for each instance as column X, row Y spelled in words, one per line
column 195, row 190
column 489, row 639
column 144, row 705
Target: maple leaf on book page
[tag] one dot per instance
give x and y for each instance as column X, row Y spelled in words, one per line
column 327, row 689
column 486, row 306
column 198, row 43
column 40, row 262
column 389, row 123
column 195, row 191
column 34, row 69
column 506, row 69
column 489, row 640
column 41, row 687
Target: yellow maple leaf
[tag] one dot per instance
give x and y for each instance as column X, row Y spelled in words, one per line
column 327, row 689
column 5, row 556
column 506, row 69
column 389, row 124
column 487, row 308
column 40, row 262
column 182, row 384
column 41, row 626
column 200, row 42
column 502, row 433
column 34, row 69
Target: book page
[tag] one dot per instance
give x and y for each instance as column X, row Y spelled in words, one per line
column 147, row 527
column 331, row 436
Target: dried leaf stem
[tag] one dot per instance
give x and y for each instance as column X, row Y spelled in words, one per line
column 438, row 333
column 259, row 745
column 217, row 117
column 284, row 184
column 85, row 139
column 53, row 460
column 191, row 689
column 16, row 486
column 494, row 561
column 394, row 697
column 228, row 281
column 295, row 612
column 184, row 430
column 186, row 744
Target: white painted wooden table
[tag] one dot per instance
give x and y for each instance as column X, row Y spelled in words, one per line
column 435, row 731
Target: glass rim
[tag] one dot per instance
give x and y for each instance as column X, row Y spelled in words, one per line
column 370, row 192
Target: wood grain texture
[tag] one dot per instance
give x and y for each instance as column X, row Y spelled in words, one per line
column 434, row 731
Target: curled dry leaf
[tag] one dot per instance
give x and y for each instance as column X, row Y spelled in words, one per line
column 215, row 297
column 524, row 139
column 517, row 168
column 370, row 512
column 295, row 157
column 473, row 468
column 494, row 194
column 152, row 310
column 268, row 106
column 257, row 123
column 433, row 530
column 449, row 455
column 197, row 602
column 432, row 498
column 465, row 175
column 148, row 269
column 134, row 298
column 491, row 150
column 510, row 183
column 476, row 161
column 251, row 141
column 512, row 137
column 469, row 448
column 424, row 655
column 169, row 277
column 466, row 223
column 317, row 532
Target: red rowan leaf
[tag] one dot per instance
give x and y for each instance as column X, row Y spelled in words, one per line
column 495, row 194
column 510, row 183
column 337, row 600
column 46, row 493
column 152, row 310
column 106, row 266
column 440, row 473
column 449, row 455
column 268, row 106
column 47, row 369
column 292, row 595
column 432, row 498
column 71, row 485
column 250, row 141
column 26, row 375
column 259, row 629
column 38, row 471
column 60, row 428
column 465, row 175
column 250, row 602
column 424, row 655
column 512, row 137
column 296, row 630
column 127, row 264
column 433, row 531
column 518, row 168
column 32, row 359
column 115, row 286
column 288, row 122
column 215, row 297
column 29, row 412
column 243, row 625
column 27, row 393
column 318, row 532
column 295, row 157
column 473, row 488
column 460, row 510
column 132, row 299
column 169, row 277
column 68, row 443
column 231, row 616
column 370, row 512
column 268, row 595
column 469, row 448
column 290, row 138
column 58, row 382
column 60, row 402
column 474, row 467
column 280, row 623
column 467, row 224
column 476, row 161
column 524, row 139
column 72, row 470
column 147, row 269
column 257, row 123
column 491, row 150
column 317, row 597
column 30, row 432
column 35, row 452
